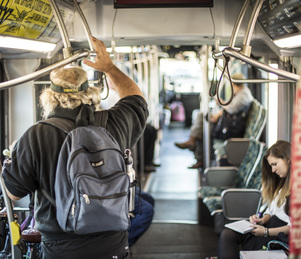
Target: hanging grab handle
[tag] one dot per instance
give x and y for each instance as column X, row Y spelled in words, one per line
column 212, row 89
column 227, row 59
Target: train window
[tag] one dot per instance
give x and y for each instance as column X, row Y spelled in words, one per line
column 182, row 74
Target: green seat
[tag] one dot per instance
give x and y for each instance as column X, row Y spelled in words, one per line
column 255, row 124
column 248, row 175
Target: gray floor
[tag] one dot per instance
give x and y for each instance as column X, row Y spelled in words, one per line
column 175, row 232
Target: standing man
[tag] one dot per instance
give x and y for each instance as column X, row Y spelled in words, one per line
column 35, row 155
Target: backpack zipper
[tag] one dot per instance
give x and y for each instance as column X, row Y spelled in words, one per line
column 118, row 195
column 86, row 197
column 73, row 210
column 82, row 150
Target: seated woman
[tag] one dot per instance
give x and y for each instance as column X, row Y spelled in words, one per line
column 275, row 223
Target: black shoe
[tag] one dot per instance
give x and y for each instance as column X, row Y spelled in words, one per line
column 197, row 165
column 149, row 168
column 185, row 145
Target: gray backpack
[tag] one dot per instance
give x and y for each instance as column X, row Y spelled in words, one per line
column 91, row 184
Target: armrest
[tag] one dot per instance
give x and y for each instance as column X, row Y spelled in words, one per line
column 221, row 176
column 236, row 149
column 240, row 203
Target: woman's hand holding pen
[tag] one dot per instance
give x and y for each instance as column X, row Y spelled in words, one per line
column 257, row 222
column 255, row 219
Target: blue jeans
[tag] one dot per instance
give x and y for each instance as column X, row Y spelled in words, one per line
column 141, row 223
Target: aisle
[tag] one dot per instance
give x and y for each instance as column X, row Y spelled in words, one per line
column 174, row 232
column 173, row 185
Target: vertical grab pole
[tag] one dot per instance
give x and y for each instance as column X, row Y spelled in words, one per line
column 246, row 48
column 10, row 216
column 238, row 23
column 67, row 51
column 89, row 34
column 85, row 24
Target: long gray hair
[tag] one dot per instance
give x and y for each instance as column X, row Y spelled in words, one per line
column 68, row 77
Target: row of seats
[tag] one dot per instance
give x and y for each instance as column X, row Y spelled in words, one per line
column 244, row 181
column 255, row 123
column 231, row 191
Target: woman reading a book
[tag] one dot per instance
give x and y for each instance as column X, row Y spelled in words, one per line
column 275, row 223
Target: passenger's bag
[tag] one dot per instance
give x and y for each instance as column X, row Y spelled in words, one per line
column 230, row 125
column 91, row 184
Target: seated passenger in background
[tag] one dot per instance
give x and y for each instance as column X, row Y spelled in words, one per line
column 149, row 137
column 241, row 101
column 275, row 223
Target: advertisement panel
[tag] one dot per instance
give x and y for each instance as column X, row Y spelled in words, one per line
column 32, row 19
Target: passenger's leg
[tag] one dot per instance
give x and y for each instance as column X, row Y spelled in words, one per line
column 196, row 132
column 198, row 148
column 189, row 144
column 150, row 136
column 228, row 245
column 140, row 223
column 198, row 154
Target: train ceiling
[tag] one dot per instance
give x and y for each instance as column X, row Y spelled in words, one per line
column 142, row 26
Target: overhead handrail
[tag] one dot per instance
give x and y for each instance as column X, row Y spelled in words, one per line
column 69, row 57
column 245, row 52
column 257, row 81
column 246, row 48
column 94, row 82
column 230, row 52
column 67, row 50
column 44, row 71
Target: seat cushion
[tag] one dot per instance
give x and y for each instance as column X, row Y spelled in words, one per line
column 213, row 203
column 207, row 191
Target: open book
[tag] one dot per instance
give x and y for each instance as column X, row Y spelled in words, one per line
column 241, row 226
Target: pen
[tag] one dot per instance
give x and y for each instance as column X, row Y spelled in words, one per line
column 258, row 217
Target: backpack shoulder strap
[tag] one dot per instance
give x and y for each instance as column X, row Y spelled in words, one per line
column 63, row 124
column 101, row 118
column 48, row 197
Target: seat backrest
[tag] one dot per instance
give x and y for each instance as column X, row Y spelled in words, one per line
column 252, row 119
column 254, row 177
column 236, row 149
column 240, row 203
column 258, row 129
column 250, row 162
column 256, row 120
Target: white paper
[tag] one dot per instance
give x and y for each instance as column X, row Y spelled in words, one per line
column 241, row 226
column 262, row 254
